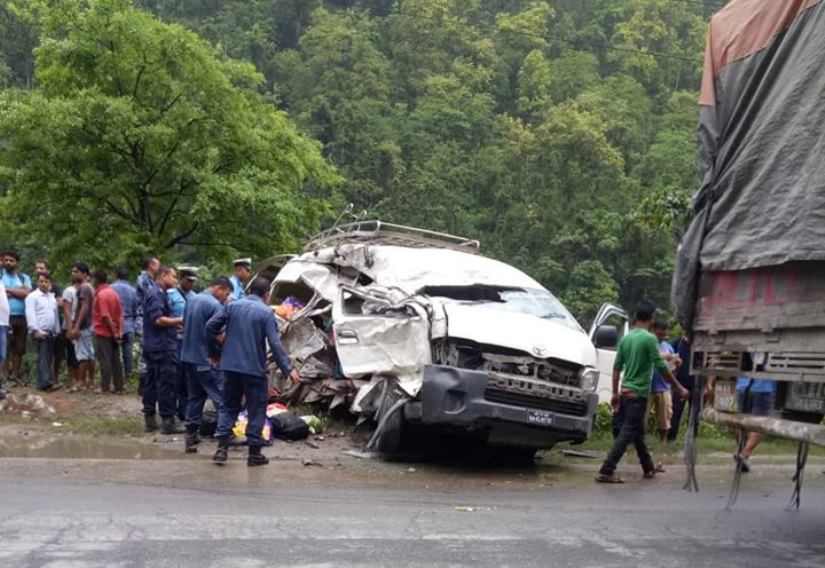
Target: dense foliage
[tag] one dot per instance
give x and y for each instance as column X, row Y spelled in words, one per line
column 560, row 133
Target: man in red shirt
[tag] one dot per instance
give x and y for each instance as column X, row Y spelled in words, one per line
column 107, row 322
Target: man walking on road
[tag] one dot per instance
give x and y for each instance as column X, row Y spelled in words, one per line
column 108, row 328
column 638, row 355
column 246, row 326
column 160, row 351
column 203, row 377
column 44, row 326
column 18, row 286
column 129, row 303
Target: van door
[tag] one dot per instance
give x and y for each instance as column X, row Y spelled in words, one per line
column 609, row 326
column 377, row 335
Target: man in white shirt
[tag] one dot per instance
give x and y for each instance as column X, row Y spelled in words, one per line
column 4, row 328
column 44, row 326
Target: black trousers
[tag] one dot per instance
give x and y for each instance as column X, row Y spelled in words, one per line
column 160, row 388
column 107, row 351
column 632, row 432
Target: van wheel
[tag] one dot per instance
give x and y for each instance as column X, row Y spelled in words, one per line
column 389, row 440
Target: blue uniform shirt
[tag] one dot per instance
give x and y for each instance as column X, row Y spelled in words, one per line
column 196, row 344
column 659, row 383
column 249, row 325
column 178, row 299
column 157, row 339
column 128, row 299
column 17, row 307
column 144, row 282
column 237, row 289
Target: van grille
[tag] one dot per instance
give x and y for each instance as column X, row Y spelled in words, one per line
column 570, row 407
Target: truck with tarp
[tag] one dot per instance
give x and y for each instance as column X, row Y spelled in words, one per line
column 750, row 271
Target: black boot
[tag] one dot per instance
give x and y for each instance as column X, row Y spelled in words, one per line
column 193, row 438
column 169, row 427
column 221, row 454
column 150, row 423
column 256, row 457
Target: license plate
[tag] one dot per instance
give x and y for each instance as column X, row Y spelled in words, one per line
column 539, row 417
column 809, row 397
column 724, row 395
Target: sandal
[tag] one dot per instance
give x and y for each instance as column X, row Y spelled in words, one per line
column 650, row 474
column 608, row 478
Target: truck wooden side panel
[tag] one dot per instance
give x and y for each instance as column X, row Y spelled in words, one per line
column 776, row 312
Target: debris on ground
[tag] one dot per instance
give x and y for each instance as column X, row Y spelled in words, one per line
column 27, row 405
column 362, row 455
column 581, row 454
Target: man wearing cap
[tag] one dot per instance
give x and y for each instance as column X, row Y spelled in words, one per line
column 179, row 296
column 245, row 327
column 243, row 272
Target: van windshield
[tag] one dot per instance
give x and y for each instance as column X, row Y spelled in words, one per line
column 539, row 303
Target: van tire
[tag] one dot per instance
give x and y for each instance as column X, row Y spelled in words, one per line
column 389, row 442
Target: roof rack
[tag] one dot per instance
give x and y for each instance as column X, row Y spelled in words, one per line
column 378, row 232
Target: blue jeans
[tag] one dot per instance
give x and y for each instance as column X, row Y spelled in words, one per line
column 127, row 349
column 161, row 381
column 203, row 384
column 254, row 388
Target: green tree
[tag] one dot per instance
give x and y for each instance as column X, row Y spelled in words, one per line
column 137, row 138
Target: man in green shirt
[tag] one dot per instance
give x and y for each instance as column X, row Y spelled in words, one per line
column 638, row 355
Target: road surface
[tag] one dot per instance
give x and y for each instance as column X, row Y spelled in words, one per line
column 69, row 513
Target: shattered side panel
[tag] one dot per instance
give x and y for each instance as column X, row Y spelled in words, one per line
column 381, row 333
column 319, row 277
column 388, row 345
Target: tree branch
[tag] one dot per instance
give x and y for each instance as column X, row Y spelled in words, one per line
column 181, row 237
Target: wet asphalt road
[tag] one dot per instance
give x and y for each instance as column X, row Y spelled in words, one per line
column 125, row 513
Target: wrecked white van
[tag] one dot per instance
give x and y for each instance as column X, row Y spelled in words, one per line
column 421, row 329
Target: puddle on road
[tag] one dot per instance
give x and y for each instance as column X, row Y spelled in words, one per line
column 82, row 448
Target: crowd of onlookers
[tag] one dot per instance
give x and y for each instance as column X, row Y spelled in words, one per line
column 93, row 322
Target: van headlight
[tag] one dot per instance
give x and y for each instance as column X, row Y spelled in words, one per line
column 589, row 378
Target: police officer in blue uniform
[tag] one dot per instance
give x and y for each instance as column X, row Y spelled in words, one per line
column 204, row 379
column 245, row 327
column 179, row 296
column 243, row 272
column 160, row 330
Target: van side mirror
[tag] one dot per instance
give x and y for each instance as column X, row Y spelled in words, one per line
column 606, row 337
